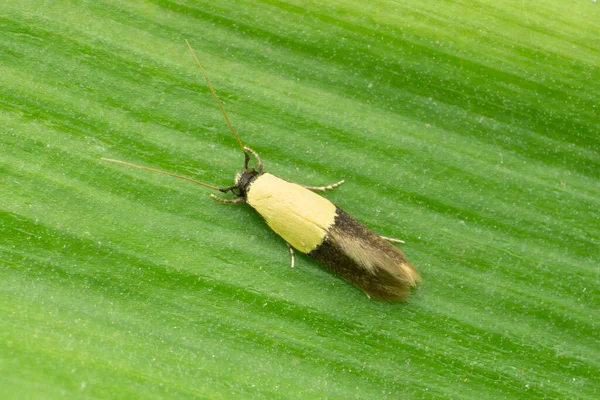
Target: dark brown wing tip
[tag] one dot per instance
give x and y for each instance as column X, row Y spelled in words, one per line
column 391, row 294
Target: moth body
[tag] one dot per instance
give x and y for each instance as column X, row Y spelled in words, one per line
column 315, row 226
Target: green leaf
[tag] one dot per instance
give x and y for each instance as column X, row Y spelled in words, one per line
column 470, row 130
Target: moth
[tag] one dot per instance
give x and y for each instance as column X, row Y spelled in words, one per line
column 313, row 225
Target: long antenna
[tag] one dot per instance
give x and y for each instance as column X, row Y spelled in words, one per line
column 212, row 89
column 162, row 172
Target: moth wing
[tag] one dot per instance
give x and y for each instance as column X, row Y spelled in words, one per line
column 366, row 260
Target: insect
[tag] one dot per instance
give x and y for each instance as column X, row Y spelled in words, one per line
column 315, row 226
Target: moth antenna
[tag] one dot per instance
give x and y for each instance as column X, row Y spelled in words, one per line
column 164, row 173
column 212, row 89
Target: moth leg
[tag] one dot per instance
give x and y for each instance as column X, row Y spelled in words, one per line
column 389, row 239
column 227, row 201
column 261, row 167
column 324, row 188
column 291, row 249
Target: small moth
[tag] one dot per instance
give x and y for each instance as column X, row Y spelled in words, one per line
column 315, row 226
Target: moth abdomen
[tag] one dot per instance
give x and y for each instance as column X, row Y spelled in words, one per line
column 366, row 260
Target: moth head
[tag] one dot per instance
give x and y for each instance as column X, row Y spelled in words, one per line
column 245, row 177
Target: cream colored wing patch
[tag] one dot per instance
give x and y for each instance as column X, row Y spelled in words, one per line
column 301, row 217
column 373, row 257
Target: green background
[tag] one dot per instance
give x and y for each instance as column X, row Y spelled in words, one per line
column 468, row 129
